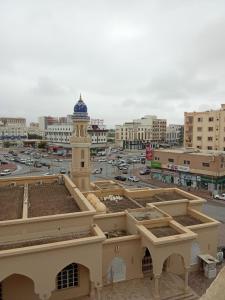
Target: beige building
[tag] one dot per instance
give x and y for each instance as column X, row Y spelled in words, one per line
column 205, row 130
column 188, row 167
column 12, row 128
column 59, row 243
column 135, row 134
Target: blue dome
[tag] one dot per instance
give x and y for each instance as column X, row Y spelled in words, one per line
column 80, row 107
column 80, row 110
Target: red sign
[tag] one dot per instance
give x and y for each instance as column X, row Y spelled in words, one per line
column 149, row 152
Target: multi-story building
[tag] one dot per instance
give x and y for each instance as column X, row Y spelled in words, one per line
column 205, row 130
column 61, row 133
column 13, row 128
column 45, row 121
column 68, row 238
column 174, row 134
column 34, row 130
column 136, row 134
column 188, row 167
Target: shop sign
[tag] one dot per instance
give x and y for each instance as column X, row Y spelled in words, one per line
column 178, row 168
column 155, row 164
column 149, row 152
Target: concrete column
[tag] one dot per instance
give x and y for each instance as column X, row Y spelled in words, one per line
column 186, row 273
column 99, row 293
column 157, row 294
column 92, row 291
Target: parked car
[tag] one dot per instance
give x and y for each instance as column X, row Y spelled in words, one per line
column 145, row 172
column 121, row 178
column 133, row 179
column 96, row 171
column 125, row 171
column 5, row 172
column 102, row 160
column 62, row 171
column 219, row 196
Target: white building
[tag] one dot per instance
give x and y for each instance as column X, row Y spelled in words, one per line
column 174, row 134
column 13, row 128
column 135, row 134
column 34, row 129
column 61, row 133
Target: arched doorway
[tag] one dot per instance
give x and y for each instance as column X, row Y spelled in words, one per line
column 72, row 281
column 19, row 287
column 117, row 270
column 174, row 264
column 147, row 267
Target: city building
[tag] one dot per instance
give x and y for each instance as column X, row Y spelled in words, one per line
column 13, row 128
column 45, row 121
column 205, row 130
column 136, row 134
column 174, row 134
column 67, row 238
column 34, row 130
column 188, row 167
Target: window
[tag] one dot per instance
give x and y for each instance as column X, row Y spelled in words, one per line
column 210, row 128
column 82, row 164
column 186, row 162
column 209, row 147
column 205, row 164
column 68, row 277
column 199, row 138
column 210, row 138
column 199, row 119
column 82, row 154
column 199, row 129
column 170, row 160
column 156, row 158
column 210, row 119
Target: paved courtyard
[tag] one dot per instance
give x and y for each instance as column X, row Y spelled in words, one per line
column 142, row 289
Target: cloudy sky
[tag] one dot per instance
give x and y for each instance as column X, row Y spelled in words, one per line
column 128, row 58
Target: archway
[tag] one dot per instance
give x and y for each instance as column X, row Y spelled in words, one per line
column 147, row 267
column 174, row 264
column 117, row 270
column 71, row 282
column 19, row 287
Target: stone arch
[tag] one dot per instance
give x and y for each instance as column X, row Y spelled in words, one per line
column 18, row 286
column 147, row 262
column 174, row 263
column 73, row 280
column 117, row 270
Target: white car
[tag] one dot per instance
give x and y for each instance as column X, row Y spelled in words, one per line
column 102, row 160
column 219, row 196
column 5, row 172
column 96, row 171
column 133, row 179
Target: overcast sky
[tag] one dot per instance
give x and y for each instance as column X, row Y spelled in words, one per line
column 128, row 58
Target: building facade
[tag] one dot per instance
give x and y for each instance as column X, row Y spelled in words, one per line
column 136, row 134
column 188, row 167
column 174, row 134
column 13, row 128
column 205, row 130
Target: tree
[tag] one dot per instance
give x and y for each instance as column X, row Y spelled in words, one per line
column 6, row 144
column 32, row 136
column 42, row 145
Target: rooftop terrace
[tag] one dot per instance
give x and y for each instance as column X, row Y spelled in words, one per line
column 159, row 197
column 50, row 199
column 163, row 231
column 104, row 185
column 11, row 202
column 117, row 203
column 187, row 220
column 44, row 240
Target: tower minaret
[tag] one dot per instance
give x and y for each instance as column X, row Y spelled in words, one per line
column 80, row 143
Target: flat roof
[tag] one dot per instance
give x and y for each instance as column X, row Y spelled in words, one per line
column 160, row 197
column 50, row 199
column 11, row 202
column 163, row 231
column 187, row 220
column 107, row 185
column 117, row 203
column 192, row 151
column 43, row 240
